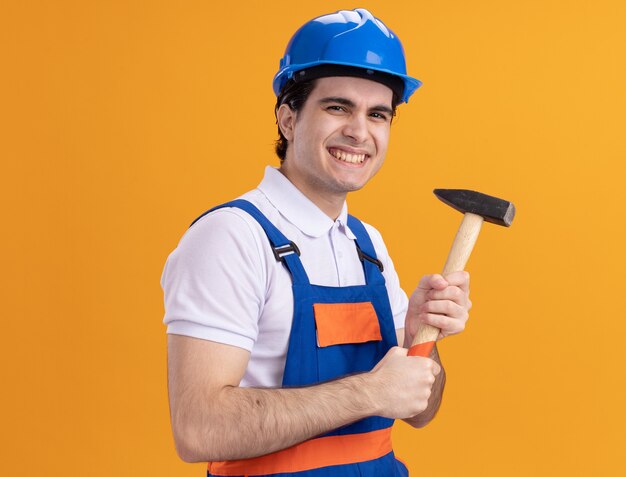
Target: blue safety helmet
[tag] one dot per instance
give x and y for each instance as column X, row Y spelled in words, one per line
column 346, row 43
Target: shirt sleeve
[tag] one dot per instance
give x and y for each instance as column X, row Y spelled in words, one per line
column 214, row 281
column 397, row 297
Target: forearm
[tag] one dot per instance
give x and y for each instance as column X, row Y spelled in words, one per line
column 434, row 401
column 246, row 422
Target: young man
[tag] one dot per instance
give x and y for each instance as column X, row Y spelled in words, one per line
column 283, row 312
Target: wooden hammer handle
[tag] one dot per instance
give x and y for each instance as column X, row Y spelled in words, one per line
column 462, row 246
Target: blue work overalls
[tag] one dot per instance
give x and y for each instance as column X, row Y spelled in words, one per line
column 336, row 331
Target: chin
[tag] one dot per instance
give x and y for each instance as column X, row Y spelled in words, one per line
column 351, row 186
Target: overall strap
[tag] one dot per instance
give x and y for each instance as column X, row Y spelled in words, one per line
column 284, row 249
column 367, row 254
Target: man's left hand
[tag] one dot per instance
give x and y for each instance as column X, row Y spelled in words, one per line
column 440, row 302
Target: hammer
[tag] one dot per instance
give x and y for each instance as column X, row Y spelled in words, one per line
column 477, row 208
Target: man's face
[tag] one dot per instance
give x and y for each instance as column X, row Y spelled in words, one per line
column 338, row 140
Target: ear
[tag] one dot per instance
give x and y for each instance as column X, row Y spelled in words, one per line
column 286, row 119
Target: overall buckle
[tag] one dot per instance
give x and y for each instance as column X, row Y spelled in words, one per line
column 375, row 261
column 283, row 250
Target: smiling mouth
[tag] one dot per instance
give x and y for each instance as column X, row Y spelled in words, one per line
column 346, row 156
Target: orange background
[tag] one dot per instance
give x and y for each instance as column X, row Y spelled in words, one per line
column 121, row 121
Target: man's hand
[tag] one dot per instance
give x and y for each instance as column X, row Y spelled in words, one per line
column 440, row 302
column 403, row 384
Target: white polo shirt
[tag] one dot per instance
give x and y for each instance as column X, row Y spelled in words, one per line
column 222, row 283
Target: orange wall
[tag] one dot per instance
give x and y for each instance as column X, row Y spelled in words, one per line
column 122, row 120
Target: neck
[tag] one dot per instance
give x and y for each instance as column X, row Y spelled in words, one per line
column 330, row 207
column 328, row 202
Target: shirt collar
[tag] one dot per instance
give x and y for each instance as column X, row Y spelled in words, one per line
column 297, row 208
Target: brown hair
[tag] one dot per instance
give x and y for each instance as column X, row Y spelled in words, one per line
column 294, row 95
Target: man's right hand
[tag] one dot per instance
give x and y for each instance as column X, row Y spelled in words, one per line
column 402, row 385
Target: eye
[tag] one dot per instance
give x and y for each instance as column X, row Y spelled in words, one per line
column 379, row 116
column 336, row 108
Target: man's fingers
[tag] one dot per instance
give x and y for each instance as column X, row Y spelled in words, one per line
column 443, row 307
column 459, row 279
column 447, row 325
column 435, row 281
column 453, row 293
column 437, row 369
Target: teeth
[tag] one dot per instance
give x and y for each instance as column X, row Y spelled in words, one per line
column 346, row 157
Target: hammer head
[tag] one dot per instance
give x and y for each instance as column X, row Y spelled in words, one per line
column 492, row 209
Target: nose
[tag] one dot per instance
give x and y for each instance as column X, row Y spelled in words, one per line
column 356, row 128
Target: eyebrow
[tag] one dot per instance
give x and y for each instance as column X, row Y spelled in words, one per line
column 346, row 102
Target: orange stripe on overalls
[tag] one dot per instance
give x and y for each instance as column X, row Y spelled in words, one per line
column 312, row 454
